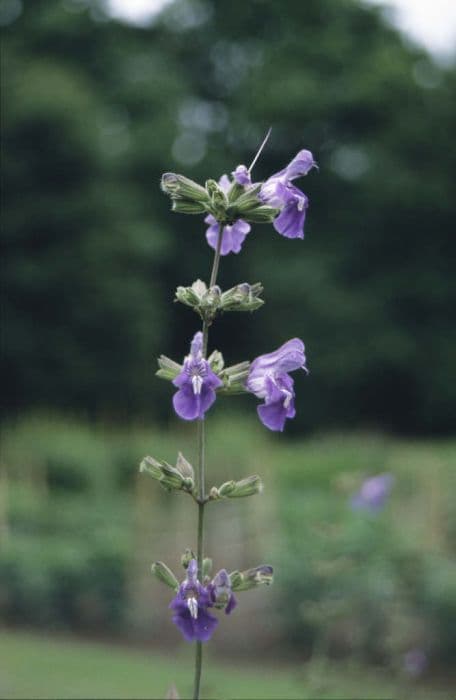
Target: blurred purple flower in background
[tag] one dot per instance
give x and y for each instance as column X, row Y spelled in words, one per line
column 373, row 494
column 233, row 235
column 278, row 192
column 190, row 608
column 196, row 383
column 415, row 662
column 269, row 380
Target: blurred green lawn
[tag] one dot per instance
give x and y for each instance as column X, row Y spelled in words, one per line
column 36, row 667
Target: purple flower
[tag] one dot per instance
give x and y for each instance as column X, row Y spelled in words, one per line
column 193, row 599
column 190, row 608
column 196, row 383
column 233, row 235
column 373, row 493
column 415, row 662
column 242, row 175
column 269, row 380
column 278, row 191
column 221, row 593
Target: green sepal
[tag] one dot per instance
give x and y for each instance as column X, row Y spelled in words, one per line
column 165, row 575
column 178, row 478
column 234, row 379
column 261, row 215
column 187, row 206
column 246, row 201
column 249, row 486
column 252, row 578
column 216, row 361
column 181, row 187
column 168, row 368
column 187, row 557
column 242, row 297
column 207, row 567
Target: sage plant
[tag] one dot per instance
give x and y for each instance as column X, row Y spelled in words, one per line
column 230, row 206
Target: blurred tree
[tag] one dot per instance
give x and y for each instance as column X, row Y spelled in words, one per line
column 94, row 111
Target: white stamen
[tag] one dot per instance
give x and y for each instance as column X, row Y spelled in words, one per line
column 288, row 397
column 301, row 203
column 193, row 607
column 197, row 383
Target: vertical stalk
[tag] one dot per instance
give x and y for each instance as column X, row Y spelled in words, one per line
column 202, row 474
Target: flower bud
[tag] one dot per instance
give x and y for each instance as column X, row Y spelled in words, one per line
column 184, row 467
column 234, row 378
column 242, row 297
column 221, row 589
column 186, row 206
column 234, row 192
column 181, row 187
column 210, row 302
column 187, row 557
column 213, row 494
column 170, row 478
column 218, row 200
column 216, row 361
column 240, row 489
column 164, row 574
column 225, row 490
column 261, row 215
column 245, row 202
column 235, row 579
column 192, row 296
column 152, row 467
column 207, row 566
column 187, row 296
column 174, row 480
column 251, row 578
column 168, row 368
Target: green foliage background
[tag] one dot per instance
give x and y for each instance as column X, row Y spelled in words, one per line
column 94, row 111
column 81, row 526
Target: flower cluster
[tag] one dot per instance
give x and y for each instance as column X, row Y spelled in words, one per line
column 194, row 598
column 236, row 203
column 230, row 206
column 278, row 192
column 233, row 234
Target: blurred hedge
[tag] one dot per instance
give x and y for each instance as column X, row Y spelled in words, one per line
column 372, row 583
column 75, row 555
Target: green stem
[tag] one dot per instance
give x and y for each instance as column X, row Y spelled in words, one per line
column 202, row 472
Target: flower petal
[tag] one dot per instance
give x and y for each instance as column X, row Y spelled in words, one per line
column 273, row 415
column 242, row 175
column 233, row 236
column 204, row 625
column 186, row 403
